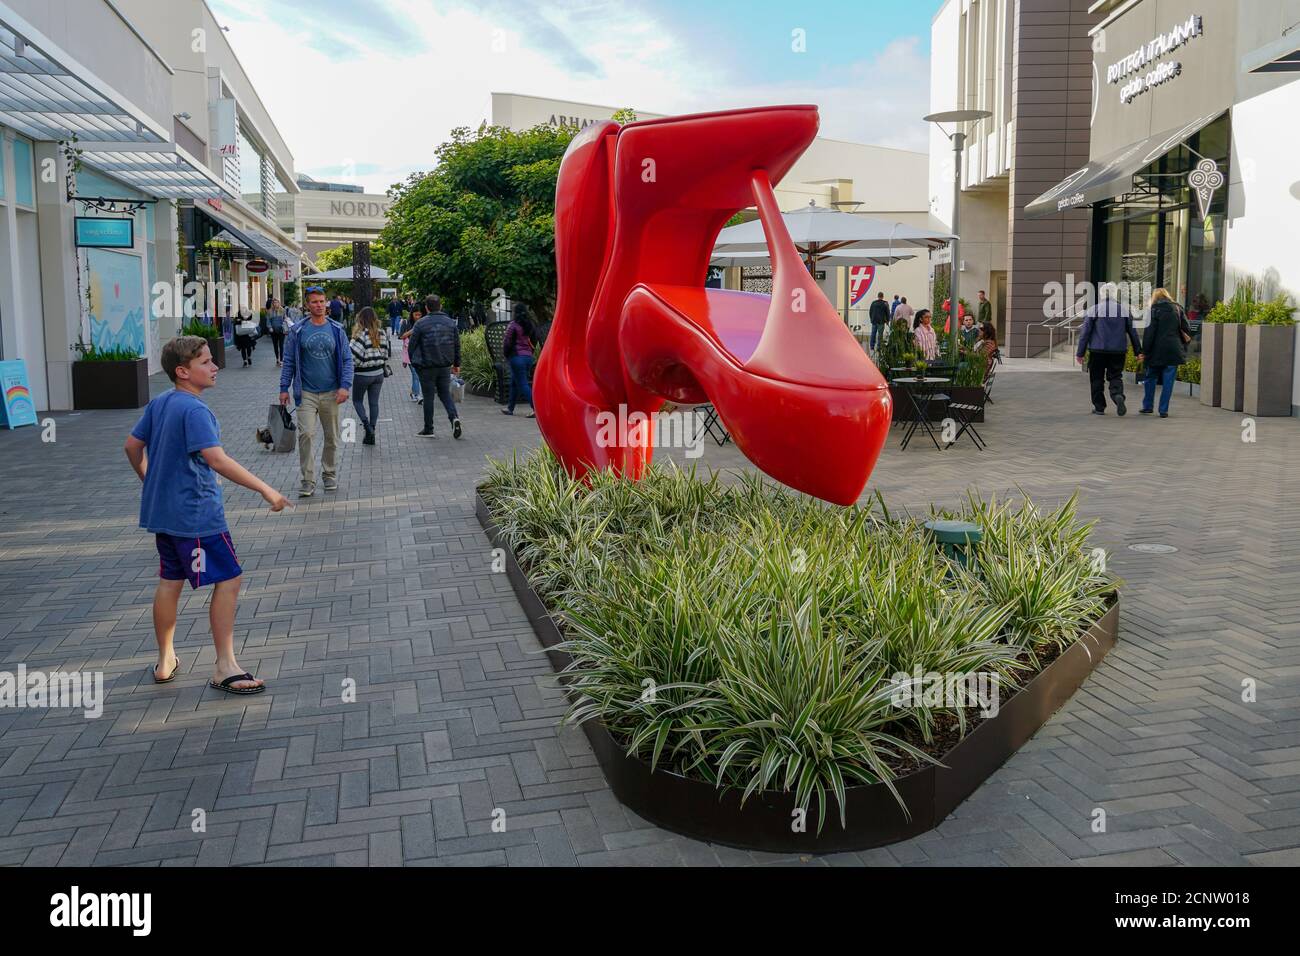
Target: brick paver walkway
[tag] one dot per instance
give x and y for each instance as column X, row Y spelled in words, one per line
column 388, row 582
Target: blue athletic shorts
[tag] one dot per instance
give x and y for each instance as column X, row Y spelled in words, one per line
column 200, row 561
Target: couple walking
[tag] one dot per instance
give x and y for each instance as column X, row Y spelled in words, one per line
column 1106, row 334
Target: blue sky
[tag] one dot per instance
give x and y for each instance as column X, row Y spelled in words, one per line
column 417, row 68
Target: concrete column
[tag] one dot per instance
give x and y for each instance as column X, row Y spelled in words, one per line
column 62, row 303
column 166, row 265
column 8, row 256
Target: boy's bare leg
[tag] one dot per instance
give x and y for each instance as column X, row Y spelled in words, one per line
column 165, row 599
column 221, row 614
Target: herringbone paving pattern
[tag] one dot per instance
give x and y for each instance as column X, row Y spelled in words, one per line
column 388, row 582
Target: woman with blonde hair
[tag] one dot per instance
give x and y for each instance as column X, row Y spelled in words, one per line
column 1164, row 346
column 370, row 356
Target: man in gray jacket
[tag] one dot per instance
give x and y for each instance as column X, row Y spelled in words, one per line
column 434, row 349
column 1106, row 333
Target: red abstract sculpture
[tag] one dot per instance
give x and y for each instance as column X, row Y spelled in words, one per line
column 637, row 212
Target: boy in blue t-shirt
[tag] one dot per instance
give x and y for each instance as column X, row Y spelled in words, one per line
column 181, row 505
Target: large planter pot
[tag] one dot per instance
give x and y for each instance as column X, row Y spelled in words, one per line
column 696, row 809
column 217, row 346
column 1232, row 392
column 1270, row 364
column 1211, row 363
column 110, row 384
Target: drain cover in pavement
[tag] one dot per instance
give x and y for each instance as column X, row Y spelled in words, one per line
column 1153, row 548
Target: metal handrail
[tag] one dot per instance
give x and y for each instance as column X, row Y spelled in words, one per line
column 1061, row 322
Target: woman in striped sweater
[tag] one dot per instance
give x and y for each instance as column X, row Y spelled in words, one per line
column 370, row 355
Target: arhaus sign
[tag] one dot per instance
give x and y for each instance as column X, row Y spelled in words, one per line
column 1149, row 52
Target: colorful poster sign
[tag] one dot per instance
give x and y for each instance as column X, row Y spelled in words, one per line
column 860, row 279
column 116, row 300
column 18, row 407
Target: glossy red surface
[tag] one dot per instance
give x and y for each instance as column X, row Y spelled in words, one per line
column 636, row 215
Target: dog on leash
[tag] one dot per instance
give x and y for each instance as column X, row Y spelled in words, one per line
column 264, row 436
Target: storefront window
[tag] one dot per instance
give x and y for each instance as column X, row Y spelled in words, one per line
column 24, row 185
column 1156, row 236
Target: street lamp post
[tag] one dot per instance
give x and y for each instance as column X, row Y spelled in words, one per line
column 958, row 142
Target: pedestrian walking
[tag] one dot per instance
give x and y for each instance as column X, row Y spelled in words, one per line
column 879, row 315
column 1105, row 336
column 318, row 366
column 276, row 319
column 175, row 449
column 395, row 315
column 370, row 355
column 904, row 311
column 435, row 354
column 416, row 311
column 518, row 347
column 1164, row 344
column 893, row 306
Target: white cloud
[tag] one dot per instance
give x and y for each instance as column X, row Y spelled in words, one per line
column 339, row 96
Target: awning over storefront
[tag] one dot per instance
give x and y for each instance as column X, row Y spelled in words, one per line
column 250, row 239
column 1112, row 175
column 46, row 95
column 158, row 169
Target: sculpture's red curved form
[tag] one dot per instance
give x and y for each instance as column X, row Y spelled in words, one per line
column 637, row 211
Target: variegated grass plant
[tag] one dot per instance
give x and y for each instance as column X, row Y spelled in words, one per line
column 749, row 636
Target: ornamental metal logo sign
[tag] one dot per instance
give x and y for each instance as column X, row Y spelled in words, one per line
column 1148, row 53
column 1204, row 180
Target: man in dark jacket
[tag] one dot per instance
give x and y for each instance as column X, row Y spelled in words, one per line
column 434, row 349
column 879, row 314
column 1107, row 330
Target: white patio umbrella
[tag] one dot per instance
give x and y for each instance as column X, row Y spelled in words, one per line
column 839, row 257
column 817, row 231
column 345, row 275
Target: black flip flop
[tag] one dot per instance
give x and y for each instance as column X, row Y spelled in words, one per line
column 226, row 685
column 170, row 677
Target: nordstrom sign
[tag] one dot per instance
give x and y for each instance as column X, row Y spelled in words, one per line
column 358, row 209
column 1148, row 53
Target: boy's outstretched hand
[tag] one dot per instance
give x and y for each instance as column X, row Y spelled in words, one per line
column 277, row 501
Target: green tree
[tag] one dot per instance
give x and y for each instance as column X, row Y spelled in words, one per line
column 483, row 219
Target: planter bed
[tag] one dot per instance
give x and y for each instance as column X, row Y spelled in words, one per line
column 695, row 808
column 110, row 384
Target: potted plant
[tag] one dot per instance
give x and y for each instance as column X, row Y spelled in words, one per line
column 216, row 341
column 920, row 368
column 1269, row 359
column 967, row 386
column 1229, row 359
column 109, row 378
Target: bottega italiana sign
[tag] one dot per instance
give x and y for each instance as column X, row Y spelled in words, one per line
column 1147, row 54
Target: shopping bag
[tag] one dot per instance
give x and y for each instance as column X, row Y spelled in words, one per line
column 457, row 389
column 284, row 434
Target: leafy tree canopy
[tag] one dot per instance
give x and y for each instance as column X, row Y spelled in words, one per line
column 483, row 219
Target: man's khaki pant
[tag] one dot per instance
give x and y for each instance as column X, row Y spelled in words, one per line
column 322, row 407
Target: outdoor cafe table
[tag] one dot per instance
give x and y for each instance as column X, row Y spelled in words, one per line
column 920, row 392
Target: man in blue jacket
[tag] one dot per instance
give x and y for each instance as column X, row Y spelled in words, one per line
column 1106, row 333
column 318, row 364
